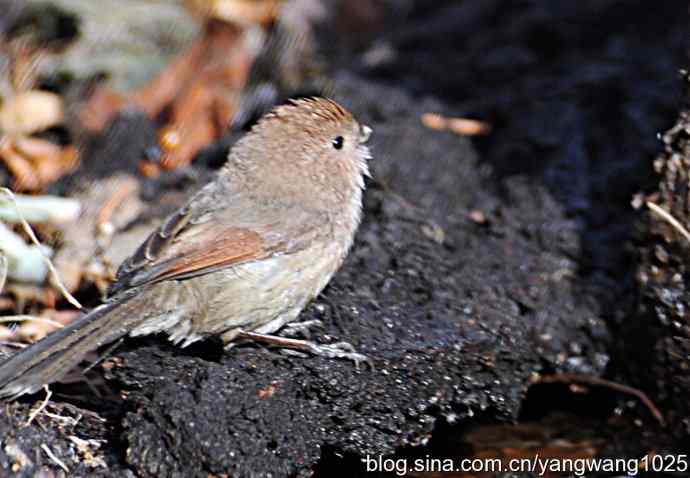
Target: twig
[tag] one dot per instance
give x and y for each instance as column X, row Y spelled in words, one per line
column 27, row 228
column 619, row 387
column 41, row 209
column 71, row 420
column 461, row 126
column 49, row 394
column 669, row 218
column 54, row 458
column 60, row 407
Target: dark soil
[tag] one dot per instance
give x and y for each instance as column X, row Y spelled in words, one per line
column 457, row 314
column 663, row 329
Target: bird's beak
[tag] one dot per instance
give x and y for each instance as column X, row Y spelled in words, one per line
column 364, row 133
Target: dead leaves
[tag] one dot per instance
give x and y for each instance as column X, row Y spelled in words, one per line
column 197, row 93
column 461, row 126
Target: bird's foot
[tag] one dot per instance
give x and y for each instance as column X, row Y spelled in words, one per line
column 300, row 329
column 338, row 350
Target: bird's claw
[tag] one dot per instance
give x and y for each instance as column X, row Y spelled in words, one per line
column 300, row 329
column 339, row 350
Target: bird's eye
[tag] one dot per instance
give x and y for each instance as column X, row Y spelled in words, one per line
column 338, row 142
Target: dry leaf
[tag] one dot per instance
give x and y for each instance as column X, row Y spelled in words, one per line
column 29, row 112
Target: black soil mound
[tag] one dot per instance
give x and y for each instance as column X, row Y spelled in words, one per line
column 478, row 267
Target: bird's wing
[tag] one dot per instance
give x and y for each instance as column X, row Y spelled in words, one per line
column 193, row 242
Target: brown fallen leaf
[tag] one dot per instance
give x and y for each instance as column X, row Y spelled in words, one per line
column 198, row 93
column 30, row 111
column 20, row 167
column 36, row 163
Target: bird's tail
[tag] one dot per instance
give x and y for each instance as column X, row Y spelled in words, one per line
column 49, row 359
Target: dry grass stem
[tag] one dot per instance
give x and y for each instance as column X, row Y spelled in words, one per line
column 41, row 407
column 55, row 459
column 659, row 211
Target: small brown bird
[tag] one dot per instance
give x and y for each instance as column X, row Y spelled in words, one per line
column 243, row 257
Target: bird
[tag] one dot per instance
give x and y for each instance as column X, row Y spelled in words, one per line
column 242, row 257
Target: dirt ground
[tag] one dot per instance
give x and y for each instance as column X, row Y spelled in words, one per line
column 481, row 265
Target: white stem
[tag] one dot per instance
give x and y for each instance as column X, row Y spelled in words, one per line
column 40, row 209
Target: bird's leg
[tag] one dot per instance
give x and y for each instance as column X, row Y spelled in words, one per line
column 338, row 350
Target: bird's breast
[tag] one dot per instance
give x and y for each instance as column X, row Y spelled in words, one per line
column 257, row 292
